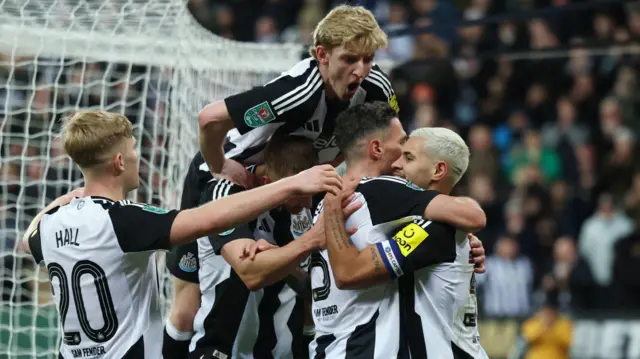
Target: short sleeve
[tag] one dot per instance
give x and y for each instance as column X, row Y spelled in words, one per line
column 379, row 88
column 183, row 263
column 220, row 188
column 279, row 101
column 141, row 227
column 418, row 245
column 391, row 197
column 35, row 245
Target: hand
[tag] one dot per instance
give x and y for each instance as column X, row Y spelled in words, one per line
column 237, row 173
column 323, row 178
column 477, row 254
column 250, row 250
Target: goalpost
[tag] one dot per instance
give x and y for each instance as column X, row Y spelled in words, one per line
column 147, row 59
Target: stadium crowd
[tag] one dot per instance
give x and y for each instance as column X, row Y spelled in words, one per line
column 547, row 105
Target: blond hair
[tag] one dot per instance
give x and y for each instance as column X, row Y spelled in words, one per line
column 355, row 27
column 445, row 145
column 91, row 136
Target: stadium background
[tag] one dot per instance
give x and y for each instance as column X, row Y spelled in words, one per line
column 544, row 91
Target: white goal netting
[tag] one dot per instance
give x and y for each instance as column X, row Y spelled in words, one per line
column 147, row 59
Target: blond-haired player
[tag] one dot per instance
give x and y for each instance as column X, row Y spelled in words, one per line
column 99, row 248
column 304, row 100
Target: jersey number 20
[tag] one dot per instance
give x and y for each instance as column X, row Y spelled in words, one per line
column 109, row 316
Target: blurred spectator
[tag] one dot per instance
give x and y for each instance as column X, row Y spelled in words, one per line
column 598, row 237
column 507, row 287
column 569, row 275
column 548, row 334
column 532, row 154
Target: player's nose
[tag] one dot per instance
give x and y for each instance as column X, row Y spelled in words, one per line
column 359, row 69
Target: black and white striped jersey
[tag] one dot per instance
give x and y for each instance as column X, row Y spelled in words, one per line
column 182, row 261
column 364, row 323
column 101, row 260
column 295, row 101
column 232, row 321
column 437, row 290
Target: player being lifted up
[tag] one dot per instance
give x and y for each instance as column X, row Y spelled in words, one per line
column 304, row 100
column 359, row 321
column 437, row 284
column 247, row 309
column 99, row 249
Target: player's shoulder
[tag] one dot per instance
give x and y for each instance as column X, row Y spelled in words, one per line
column 443, row 230
column 218, row 188
column 126, row 205
column 378, row 79
column 373, row 185
column 305, row 72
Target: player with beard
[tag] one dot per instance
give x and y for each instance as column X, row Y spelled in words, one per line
column 433, row 260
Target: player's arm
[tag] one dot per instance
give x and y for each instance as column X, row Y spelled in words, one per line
column 141, row 228
column 400, row 198
column 463, row 213
column 263, row 109
column 269, row 266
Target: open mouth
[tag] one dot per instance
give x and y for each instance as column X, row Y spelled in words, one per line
column 353, row 87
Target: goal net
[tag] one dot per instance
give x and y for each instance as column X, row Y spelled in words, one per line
column 147, row 59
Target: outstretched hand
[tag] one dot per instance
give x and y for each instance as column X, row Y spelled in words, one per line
column 318, row 179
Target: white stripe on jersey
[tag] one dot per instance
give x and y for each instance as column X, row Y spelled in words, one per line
column 300, row 89
column 383, row 78
column 376, row 81
column 301, row 97
column 221, row 189
column 384, row 178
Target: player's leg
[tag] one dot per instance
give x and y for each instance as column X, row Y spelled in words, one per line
column 182, row 262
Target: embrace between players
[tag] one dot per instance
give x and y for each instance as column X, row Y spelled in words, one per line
column 384, row 268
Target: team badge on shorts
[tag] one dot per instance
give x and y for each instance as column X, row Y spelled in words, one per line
column 188, row 263
column 259, row 115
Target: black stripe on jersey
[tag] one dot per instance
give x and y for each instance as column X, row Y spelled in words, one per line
column 223, row 321
column 362, row 342
column 299, row 346
column 459, row 353
column 410, row 321
column 323, row 342
column 267, row 338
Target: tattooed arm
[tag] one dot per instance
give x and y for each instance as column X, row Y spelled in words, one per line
column 351, row 267
column 408, row 250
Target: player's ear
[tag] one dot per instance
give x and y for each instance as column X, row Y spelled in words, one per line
column 266, row 180
column 118, row 163
column 375, row 149
column 322, row 54
column 440, row 171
